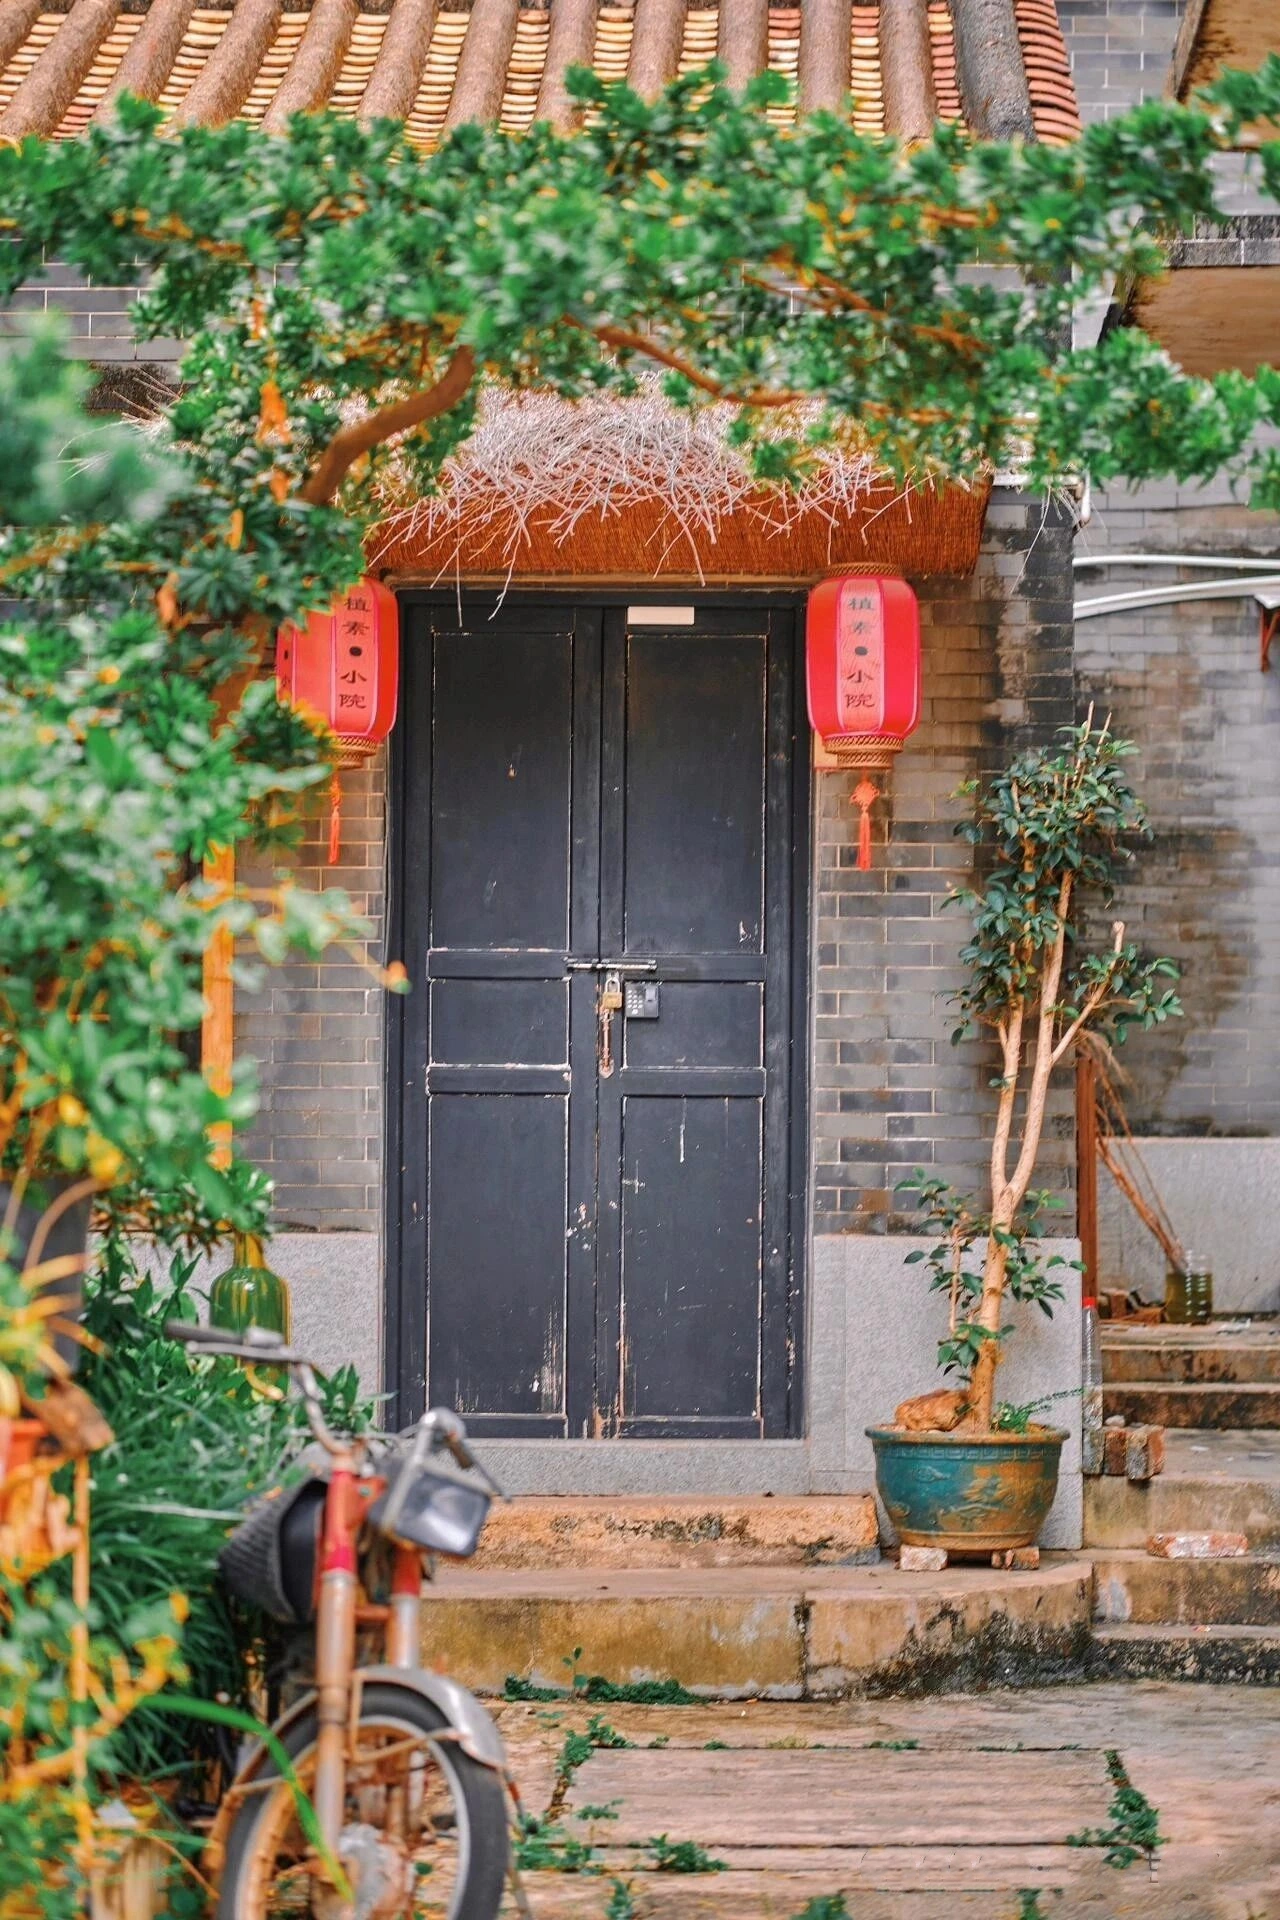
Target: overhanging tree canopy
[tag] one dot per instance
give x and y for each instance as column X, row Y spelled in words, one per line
column 344, row 293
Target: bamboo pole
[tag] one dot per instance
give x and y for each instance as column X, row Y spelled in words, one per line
column 217, row 1031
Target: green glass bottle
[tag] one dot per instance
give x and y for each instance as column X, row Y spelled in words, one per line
column 249, row 1293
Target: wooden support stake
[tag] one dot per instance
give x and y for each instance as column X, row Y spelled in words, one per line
column 1087, row 1169
column 217, row 1032
column 80, row 1661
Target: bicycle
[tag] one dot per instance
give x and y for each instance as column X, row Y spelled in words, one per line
column 403, row 1767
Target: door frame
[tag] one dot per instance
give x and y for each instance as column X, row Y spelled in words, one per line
column 406, row 1027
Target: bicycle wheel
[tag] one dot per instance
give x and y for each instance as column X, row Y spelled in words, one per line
column 425, row 1829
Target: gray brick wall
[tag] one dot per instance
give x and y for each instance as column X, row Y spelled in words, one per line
column 97, row 317
column 1183, row 683
column 315, row 1029
column 890, row 1092
column 1119, row 50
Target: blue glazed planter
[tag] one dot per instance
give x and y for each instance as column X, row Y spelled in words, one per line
column 967, row 1493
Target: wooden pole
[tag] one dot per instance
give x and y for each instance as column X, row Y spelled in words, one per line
column 217, row 1032
column 1087, row 1170
column 80, row 1662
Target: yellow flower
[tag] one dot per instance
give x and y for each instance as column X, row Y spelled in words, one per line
column 70, row 1110
column 105, row 1158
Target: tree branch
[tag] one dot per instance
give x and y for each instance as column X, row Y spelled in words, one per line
column 628, row 342
column 1096, row 994
column 1038, row 1091
column 1011, row 1051
column 401, row 416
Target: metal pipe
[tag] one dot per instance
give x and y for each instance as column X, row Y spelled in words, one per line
column 1227, row 562
column 1167, row 596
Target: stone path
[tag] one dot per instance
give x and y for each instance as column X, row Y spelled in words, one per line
column 955, row 1808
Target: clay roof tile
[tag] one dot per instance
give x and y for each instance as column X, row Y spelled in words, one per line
column 436, row 63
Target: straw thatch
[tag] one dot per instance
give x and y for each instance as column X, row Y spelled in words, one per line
column 637, row 488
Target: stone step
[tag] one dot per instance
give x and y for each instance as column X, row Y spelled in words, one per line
column 1137, row 1587
column 1157, row 1404
column 1192, row 1356
column 1212, row 1482
column 542, row 1533
column 777, row 1632
column 1222, row 1654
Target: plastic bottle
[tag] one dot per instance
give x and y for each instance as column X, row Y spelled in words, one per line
column 1091, row 1383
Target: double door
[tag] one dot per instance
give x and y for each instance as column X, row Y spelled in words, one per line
column 594, row 1220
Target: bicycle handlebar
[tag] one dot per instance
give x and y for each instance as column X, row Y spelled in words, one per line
column 438, row 1427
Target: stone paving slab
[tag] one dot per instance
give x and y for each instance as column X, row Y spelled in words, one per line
column 536, row 1533
column 962, row 1813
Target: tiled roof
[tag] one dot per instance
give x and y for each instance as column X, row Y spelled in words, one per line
column 436, row 64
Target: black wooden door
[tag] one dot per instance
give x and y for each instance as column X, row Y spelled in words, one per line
column 594, row 1217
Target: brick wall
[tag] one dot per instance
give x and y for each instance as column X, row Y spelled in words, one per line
column 890, row 1092
column 1183, row 683
column 1119, row 50
column 96, row 315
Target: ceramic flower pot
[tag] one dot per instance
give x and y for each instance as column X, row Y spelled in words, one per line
column 968, row 1493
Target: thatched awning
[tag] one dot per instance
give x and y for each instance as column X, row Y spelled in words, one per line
column 634, row 489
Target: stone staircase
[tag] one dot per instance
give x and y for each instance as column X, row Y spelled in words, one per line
column 783, row 1598
column 1217, row 1391
column 787, row 1597
column 1224, row 1376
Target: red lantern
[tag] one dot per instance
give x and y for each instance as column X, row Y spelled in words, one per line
column 863, row 664
column 344, row 667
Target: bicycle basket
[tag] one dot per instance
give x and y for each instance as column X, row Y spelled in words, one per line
column 437, row 1512
column 270, row 1560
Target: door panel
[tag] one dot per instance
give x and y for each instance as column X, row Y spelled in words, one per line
column 702, row 1024
column 693, row 793
column 496, row 1252
column 690, row 1262
column 489, row 1022
column 594, row 1220
column 501, row 815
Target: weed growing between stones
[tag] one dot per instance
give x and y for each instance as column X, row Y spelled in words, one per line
column 895, row 1746
column 682, row 1856
column 543, row 1846
column 1134, row 1832
column 595, row 1689
column 621, row 1905
column 1029, row 1907
column 824, row 1906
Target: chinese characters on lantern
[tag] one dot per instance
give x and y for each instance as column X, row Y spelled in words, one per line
column 862, row 657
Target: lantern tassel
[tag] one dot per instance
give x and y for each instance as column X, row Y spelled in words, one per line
column 865, row 795
column 335, row 819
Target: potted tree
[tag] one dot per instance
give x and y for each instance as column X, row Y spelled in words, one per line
column 957, row 1469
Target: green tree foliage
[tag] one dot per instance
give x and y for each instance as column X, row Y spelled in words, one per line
column 121, row 774
column 338, row 285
